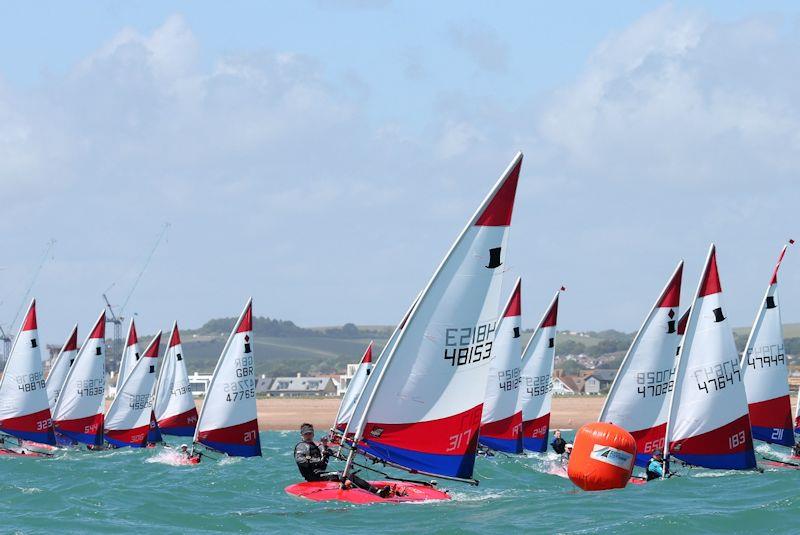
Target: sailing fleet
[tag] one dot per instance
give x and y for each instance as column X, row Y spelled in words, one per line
column 453, row 379
column 153, row 398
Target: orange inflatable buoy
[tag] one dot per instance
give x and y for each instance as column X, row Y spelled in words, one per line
column 602, row 457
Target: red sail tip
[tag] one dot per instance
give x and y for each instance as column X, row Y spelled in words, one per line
column 711, row 284
column 683, row 321
column 246, row 325
column 30, row 318
column 132, row 337
column 175, row 339
column 152, row 349
column 514, row 306
column 367, row 358
column 497, row 212
column 671, row 298
column 563, row 289
column 774, row 279
column 551, row 318
column 72, row 341
column 99, row 330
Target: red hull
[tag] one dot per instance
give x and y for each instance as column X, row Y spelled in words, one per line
column 323, row 491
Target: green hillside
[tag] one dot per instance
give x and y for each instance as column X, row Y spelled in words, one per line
column 284, row 348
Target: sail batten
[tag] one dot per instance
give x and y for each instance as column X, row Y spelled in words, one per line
column 424, row 407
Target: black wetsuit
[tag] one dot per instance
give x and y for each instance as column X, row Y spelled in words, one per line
column 313, row 462
column 559, row 445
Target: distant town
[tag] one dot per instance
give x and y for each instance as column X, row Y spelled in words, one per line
column 294, row 361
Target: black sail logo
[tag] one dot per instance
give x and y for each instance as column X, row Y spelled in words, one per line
column 718, row 316
column 494, row 258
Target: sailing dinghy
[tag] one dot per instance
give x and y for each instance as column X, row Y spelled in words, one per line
column 536, row 392
column 424, row 401
column 501, row 420
column 60, row 367
column 228, row 421
column 708, row 423
column 24, row 408
column 127, row 421
column 175, row 411
column 78, row 413
column 765, row 371
column 638, row 400
column 348, row 404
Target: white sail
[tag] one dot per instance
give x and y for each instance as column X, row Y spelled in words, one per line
column 425, row 408
column 128, row 418
column 24, row 408
column 175, row 410
column 765, row 371
column 60, row 366
column 638, row 400
column 369, row 386
column 536, row 392
column 228, row 420
column 130, row 354
column 78, row 413
column 708, row 423
column 348, row 404
column 501, row 419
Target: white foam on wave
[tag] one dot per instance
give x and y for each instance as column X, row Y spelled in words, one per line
column 170, row 457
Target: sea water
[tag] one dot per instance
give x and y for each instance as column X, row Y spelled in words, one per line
column 143, row 491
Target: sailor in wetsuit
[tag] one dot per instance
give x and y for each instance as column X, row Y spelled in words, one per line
column 655, row 468
column 312, row 461
column 558, row 444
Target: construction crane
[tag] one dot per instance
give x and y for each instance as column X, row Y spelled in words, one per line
column 116, row 318
column 4, row 336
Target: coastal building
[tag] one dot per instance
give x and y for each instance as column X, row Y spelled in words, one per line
column 198, row 383
column 344, row 380
column 300, row 386
column 598, row 381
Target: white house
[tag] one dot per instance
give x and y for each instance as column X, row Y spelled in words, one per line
column 198, row 383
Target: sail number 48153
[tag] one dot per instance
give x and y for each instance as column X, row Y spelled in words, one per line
column 468, row 345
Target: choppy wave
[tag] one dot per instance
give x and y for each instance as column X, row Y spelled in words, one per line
column 130, row 491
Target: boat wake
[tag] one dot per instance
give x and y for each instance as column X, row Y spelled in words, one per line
column 170, row 457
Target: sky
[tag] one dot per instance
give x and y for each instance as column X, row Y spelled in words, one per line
column 321, row 156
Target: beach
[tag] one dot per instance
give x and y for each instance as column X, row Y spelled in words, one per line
column 288, row 413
